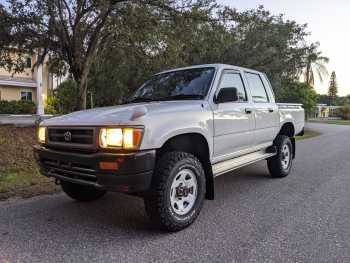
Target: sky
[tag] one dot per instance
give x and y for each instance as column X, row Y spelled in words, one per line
column 328, row 22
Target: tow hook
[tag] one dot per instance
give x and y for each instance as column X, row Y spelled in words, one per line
column 57, row 182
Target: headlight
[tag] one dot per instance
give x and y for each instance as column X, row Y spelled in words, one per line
column 127, row 138
column 42, row 134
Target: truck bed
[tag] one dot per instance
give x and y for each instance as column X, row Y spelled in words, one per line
column 296, row 111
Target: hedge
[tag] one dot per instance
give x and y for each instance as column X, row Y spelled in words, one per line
column 17, row 107
column 344, row 112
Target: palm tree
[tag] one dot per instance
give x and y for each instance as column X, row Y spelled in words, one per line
column 315, row 64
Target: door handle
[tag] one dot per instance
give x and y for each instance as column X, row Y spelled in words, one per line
column 248, row 110
column 270, row 109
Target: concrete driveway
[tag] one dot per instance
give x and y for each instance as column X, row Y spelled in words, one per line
column 302, row 218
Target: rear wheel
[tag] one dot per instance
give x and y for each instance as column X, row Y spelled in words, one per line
column 177, row 191
column 81, row 192
column 281, row 164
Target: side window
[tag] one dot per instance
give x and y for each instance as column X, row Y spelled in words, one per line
column 257, row 88
column 234, row 80
column 26, row 95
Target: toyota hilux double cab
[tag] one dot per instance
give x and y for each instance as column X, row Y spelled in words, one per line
column 180, row 130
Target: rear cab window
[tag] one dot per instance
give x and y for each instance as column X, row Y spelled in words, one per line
column 257, row 88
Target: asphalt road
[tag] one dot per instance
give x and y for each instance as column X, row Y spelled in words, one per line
column 302, row 218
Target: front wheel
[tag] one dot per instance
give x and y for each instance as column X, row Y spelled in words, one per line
column 281, row 164
column 81, row 192
column 177, row 191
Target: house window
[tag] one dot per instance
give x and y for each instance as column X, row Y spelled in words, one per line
column 28, row 62
column 26, row 95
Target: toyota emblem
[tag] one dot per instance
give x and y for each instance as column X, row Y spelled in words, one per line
column 67, row 136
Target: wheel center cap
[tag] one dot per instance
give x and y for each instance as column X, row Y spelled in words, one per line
column 183, row 191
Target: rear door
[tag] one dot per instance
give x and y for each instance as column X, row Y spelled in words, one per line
column 233, row 124
column 265, row 110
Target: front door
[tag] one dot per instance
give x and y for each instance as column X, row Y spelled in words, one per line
column 233, row 120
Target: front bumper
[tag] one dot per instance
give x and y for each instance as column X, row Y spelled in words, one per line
column 131, row 172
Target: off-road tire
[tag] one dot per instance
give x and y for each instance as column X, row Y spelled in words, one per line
column 157, row 200
column 275, row 163
column 81, row 192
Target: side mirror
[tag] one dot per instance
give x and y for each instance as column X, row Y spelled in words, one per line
column 226, row 95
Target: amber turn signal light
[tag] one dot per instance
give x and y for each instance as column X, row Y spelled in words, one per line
column 108, row 166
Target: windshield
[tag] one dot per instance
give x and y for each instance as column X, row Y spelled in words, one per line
column 176, row 85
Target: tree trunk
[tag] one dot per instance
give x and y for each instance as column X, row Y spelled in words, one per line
column 82, row 86
column 308, row 68
column 82, row 82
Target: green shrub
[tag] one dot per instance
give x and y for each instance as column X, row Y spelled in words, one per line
column 65, row 97
column 344, row 112
column 17, row 107
column 51, row 106
column 298, row 92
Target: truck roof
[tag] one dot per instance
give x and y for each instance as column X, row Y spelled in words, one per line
column 216, row 65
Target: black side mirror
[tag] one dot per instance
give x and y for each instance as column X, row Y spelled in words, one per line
column 226, row 95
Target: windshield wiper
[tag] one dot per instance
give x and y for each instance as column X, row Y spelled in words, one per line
column 140, row 99
column 175, row 97
column 183, row 97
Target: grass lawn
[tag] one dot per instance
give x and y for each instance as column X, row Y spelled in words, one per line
column 19, row 175
column 338, row 122
column 308, row 134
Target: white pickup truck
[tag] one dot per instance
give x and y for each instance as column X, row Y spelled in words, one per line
column 181, row 129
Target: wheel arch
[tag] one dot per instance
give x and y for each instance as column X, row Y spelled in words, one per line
column 288, row 129
column 196, row 144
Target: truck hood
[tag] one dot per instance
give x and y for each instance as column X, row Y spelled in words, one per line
column 128, row 114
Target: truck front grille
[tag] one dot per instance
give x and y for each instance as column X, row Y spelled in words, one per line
column 72, row 138
column 69, row 135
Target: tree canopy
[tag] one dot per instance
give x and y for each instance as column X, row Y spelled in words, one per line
column 253, row 39
column 74, row 31
column 110, row 47
column 301, row 93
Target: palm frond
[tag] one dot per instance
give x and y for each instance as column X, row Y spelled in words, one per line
column 323, row 59
column 315, row 64
column 320, row 76
column 322, row 68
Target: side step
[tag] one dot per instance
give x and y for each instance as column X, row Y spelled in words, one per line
column 232, row 164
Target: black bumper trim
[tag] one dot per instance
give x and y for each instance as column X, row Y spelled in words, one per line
column 72, row 180
column 134, row 173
